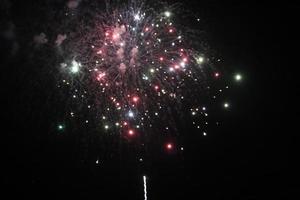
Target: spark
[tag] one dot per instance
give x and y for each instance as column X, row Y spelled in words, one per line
column 75, row 67
column 169, row 146
column 226, row 105
column 130, row 114
column 137, row 17
column 100, row 76
column 238, row 77
column 167, row 14
column 200, row 60
column 131, row 132
column 182, row 64
column 135, row 99
column 60, row 127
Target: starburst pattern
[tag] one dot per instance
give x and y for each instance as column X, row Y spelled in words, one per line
column 134, row 70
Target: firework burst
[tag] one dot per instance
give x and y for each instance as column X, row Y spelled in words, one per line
column 133, row 70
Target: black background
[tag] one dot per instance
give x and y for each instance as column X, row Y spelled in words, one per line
column 252, row 156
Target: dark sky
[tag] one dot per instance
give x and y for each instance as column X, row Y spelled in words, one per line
column 252, row 156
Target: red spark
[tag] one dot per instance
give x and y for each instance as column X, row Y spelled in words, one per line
column 135, row 99
column 169, row 146
column 131, row 132
column 100, row 76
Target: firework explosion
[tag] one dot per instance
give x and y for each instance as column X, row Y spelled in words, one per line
column 132, row 70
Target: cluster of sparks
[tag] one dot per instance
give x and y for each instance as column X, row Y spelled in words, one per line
column 133, row 70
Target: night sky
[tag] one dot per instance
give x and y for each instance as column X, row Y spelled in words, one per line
column 250, row 155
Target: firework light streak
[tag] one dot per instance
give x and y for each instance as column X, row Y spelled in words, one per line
column 145, row 187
